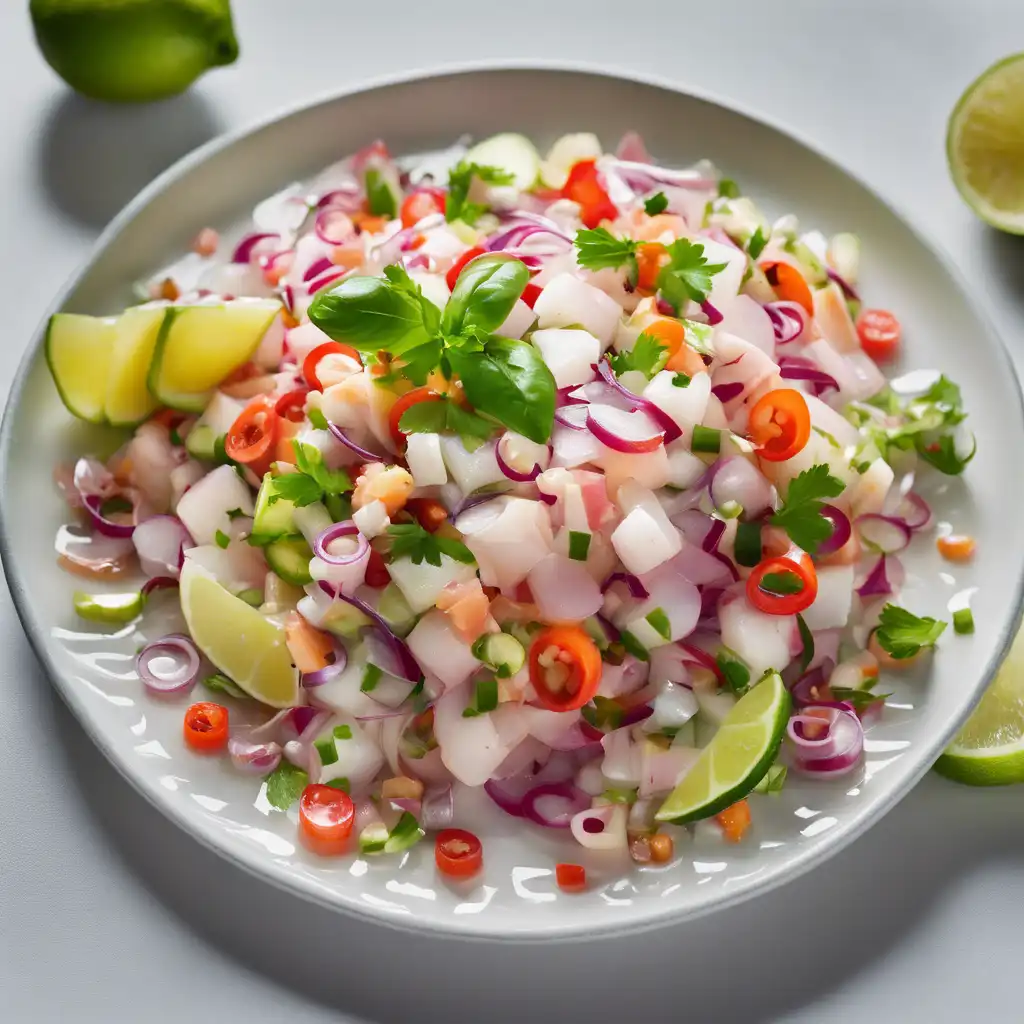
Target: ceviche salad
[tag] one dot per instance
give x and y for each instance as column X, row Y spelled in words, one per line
column 575, row 479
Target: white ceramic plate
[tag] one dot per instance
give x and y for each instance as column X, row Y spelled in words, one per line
column 516, row 897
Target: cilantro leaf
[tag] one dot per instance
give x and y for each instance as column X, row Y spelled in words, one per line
column 728, row 189
column 942, row 454
column 410, row 540
column 688, row 274
column 222, row 539
column 782, row 583
column 800, row 516
column 310, row 460
column 901, row 634
column 648, row 355
column 658, row 203
column 860, row 699
column 285, row 785
column 758, row 240
column 299, row 489
column 598, row 248
column 460, row 179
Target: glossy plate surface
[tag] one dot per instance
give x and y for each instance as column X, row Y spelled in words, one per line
column 516, row 896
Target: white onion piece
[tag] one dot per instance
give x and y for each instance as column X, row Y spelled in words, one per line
column 470, row 747
column 747, row 319
column 566, row 300
column 762, row 641
column 883, row 533
column 253, row 758
column 832, row 316
column 440, row 651
column 738, row 480
column 570, row 354
column 573, row 448
column 673, row 707
column 663, row 769
column 623, row 759
column 204, row 508
column 628, row 677
column 687, row 406
column 644, row 540
column 508, row 539
column 649, row 469
column 668, row 669
column 421, row 585
column 563, row 590
column 631, row 432
column 834, row 600
column 160, row 542
column 426, row 462
column 601, row 828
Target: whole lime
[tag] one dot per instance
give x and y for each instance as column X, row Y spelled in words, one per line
column 133, row 51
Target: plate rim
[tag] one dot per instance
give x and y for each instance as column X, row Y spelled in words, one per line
column 801, row 862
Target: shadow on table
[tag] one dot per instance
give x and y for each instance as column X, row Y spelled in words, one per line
column 94, row 157
column 751, row 963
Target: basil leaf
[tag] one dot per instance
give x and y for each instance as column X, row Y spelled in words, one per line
column 510, row 382
column 484, row 294
column 372, row 313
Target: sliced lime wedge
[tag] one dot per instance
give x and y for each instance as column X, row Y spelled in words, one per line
column 985, row 145
column 199, row 346
column 989, row 750
column 513, row 153
column 737, row 758
column 128, row 398
column 79, row 350
column 111, row 608
column 245, row 645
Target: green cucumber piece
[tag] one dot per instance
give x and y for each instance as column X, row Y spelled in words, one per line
column 272, row 519
column 289, row 557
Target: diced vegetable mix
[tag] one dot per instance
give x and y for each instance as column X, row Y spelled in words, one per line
column 512, row 472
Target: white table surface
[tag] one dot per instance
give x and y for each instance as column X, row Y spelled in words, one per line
column 109, row 913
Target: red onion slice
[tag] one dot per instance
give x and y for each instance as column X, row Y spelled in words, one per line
column 848, row 290
column 643, row 175
column 406, row 666
column 711, row 312
column 630, row 432
column 505, row 459
column 254, row 758
column 837, row 751
column 668, row 425
column 333, row 226
column 632, row 583
column 572, row 416
column 317, row 267
column 915, row 511
column 798, row 368
column 326, row 281
column 245, row 249
column 177, row 677
column 789, row 320
column 727, row 392
column 840, row 530
column 518, row 233
column 568, row 799
column 158, row 583
column 349, row 199
column 93, row 504
column 363, row 453
column 338, row 531
column 877, row 583
column 160, row 542
column 886, row 534
column 438, row 808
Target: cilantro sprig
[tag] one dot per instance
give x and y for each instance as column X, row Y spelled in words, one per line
column 410, row 540
column 800, row 515
column 389, row 320
column 648, row 355
column 687, row 275
column 460, row 180
column 313, row 482
column 901, row 634
column 599, row 249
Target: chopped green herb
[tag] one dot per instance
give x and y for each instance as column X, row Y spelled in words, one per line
column 659, row 622
column 706, row 439
column 579, row 545
column 235, row 513
column 800, row 515
column 735, row 670
column 485, row 697
column 603, row 713
column 681, row 380
column 758, row 240
column 317, row 418
column 222, row 539
column 658, row 203
column 371, row 677
column 343, row 732
column 860, row 699
column 773, row 780
column 902, row 634
column 379, row 197
column 460, row 178
column 285, row 785
column 687, row 275
column 781, row 583
column 807, row 640
column 297, row 488
column 963, row 621
column 410, row 540
column 219, row 683
column 598, row 249
column 648, row 355
column 728, row 189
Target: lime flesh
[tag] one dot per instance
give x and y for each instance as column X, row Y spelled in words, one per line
column 985, row 145
column 133, row 51
column 128, row 398
column 79, row 350
column 245, row 645
column 989, row 750
column 738, row 756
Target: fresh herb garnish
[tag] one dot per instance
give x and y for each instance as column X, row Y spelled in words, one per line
column 773, row 781
column 658, row 203
column 860, row 699
column 313, row 481
column 410, row 540
column 901, row 634
column 447, row 415
column 648, row 355
column 285, row 785
column 599, row 249
column 681, row 380
column 807, row 640
column 460, row 179
column 758, row 240
column 735, row 670
column 222, row 539
column 485, row 697
column 728, row 189
column 781, row 583
column 380, row 199
column 687, row 275
column 800, row 515
column 219, row 683
column 502, row 378
column 371, row 677
column 579, row 545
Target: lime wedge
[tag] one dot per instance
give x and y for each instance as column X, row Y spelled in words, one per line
column 738, row 756
column 78, row 351
column 242, row 643
column 128, row 399
column 513, row 153
column 985, row 145
column 199, row 346
column 989, row 750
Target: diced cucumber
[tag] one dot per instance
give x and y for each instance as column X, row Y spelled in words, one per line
column 274, row 515
column 79, row 350
column 129, row 400
column 289, row 557
column 504, row 653
column 109, row 608
column 513, row 153
column 201, row 443
column 395, row 611
column 220, row 413
column 198, row 346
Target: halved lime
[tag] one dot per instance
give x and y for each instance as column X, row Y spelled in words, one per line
column 199, row 346
column 245, row 645
column 989, row 750
column 737, row 758
column 513, row 153
column 128, row 398
column 78, row 350
column 985, row 145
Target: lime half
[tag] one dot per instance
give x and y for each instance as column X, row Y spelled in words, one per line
column 242, row 643
column 985, row 145
column 738, row 756
column 989, row 750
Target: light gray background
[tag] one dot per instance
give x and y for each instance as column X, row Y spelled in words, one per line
column 108, row 913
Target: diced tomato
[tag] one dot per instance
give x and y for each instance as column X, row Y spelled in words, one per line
column 422, row 203
column 571, row 877
column 584, row 186
column 531, row 293
column 377, row 574
column 456, row 268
